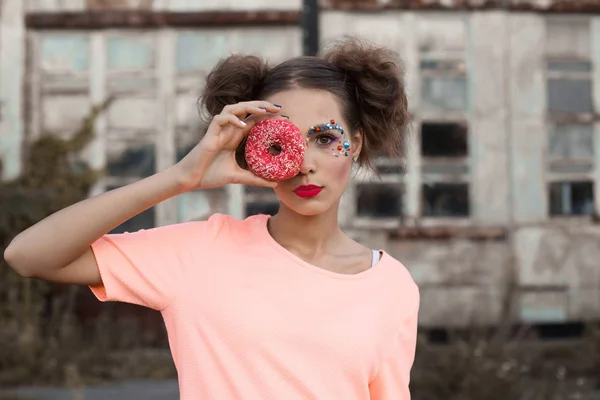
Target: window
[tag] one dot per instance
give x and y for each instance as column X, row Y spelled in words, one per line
column 570, row 148
column 64, row 53
column 378, row 200
column 446, row 200
column 270, row 208
column 443, row 140
column 260, row 200
column 445, row 169
column 571, row 198
column 64, row 83
column 132, row 118
column 443, row 85
column 570, row 129
column 569, row 86
column 443, row 119
column 200, row 50
column 442, row 46
column 379, row 196
column 130, row 159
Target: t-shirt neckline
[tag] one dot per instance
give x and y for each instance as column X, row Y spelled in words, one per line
column 264, row 230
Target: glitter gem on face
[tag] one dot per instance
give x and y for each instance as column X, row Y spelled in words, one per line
column 344, row 147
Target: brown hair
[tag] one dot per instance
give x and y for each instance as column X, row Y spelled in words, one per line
column 366, row 78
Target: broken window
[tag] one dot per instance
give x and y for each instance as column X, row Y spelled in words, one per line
column 268, row 208
column 571, row 198
column 446, row 200
column 443, row 139
column 444, row 149
column 378, row 200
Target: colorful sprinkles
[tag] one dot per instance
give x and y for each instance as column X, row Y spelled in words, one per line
column 274, row 132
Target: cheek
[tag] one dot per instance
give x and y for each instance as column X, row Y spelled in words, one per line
column 340, row 168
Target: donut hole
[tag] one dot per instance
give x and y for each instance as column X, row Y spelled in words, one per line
column 275, row 149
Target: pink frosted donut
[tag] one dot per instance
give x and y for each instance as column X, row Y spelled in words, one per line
column 274, row 150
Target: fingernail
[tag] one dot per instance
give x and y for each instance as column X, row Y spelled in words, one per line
column 262, row 108
column 277, row 105
column 243, row 123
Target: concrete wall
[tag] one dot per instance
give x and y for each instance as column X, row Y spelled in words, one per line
column 554, row 262
column 12, row 67
column 161, row 5
column 157, row 76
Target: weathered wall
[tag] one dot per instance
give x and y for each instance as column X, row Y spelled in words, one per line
column 554, row 264
column 157, row 74
column 161, row 5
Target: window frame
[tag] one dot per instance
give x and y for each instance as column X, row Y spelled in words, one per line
column 554, row 118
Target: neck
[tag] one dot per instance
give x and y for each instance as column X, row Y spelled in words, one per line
column 310, row 235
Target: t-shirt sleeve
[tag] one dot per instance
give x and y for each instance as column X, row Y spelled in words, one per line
column 148, row 266
column 392, row 381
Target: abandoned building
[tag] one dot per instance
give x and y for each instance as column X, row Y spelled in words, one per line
column 497, row 195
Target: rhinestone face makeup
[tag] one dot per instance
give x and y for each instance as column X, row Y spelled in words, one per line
column 342, row 147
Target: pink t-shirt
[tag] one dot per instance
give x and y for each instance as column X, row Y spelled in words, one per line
column 247, row 319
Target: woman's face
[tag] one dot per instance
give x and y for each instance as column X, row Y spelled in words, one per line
column 325, row 172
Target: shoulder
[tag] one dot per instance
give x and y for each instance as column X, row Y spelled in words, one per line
column 216, row 226
column 227, row 224
column 400, row 281
column 223, row 227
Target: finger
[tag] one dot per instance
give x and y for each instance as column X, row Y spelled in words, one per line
column 230, row 119
column 248, row 178
column 241, row 110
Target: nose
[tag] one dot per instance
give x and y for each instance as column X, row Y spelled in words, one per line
column 308, row 165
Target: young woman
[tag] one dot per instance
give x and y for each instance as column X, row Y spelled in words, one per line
column 283, row 307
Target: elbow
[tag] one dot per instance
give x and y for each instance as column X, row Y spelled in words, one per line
column 12, row 258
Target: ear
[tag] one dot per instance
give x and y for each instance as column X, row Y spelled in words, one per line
column 357, row 143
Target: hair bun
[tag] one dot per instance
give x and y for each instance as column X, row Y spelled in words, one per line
column 234, row 79
column 376, row 77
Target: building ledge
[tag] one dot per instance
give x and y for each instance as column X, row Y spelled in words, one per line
column 94, row 20
column 449, row 232
column 550, row 6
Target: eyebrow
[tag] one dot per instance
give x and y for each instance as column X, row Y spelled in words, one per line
column 326, row 126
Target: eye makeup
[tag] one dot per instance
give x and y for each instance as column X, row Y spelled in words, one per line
column 341, row 144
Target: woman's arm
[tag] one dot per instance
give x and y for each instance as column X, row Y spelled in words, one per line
column 58, row 247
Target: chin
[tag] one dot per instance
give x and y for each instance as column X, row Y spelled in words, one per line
column 306, row 207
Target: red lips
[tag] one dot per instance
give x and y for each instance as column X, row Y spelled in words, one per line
column 306, row 191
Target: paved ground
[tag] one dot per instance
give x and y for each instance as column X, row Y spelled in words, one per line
column 137, row 390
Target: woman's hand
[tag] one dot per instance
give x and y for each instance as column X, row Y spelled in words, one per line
column 211, row 163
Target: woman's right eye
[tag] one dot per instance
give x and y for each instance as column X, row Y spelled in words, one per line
column 325, row 139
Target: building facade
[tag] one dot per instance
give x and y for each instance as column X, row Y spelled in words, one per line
column 499, row 191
